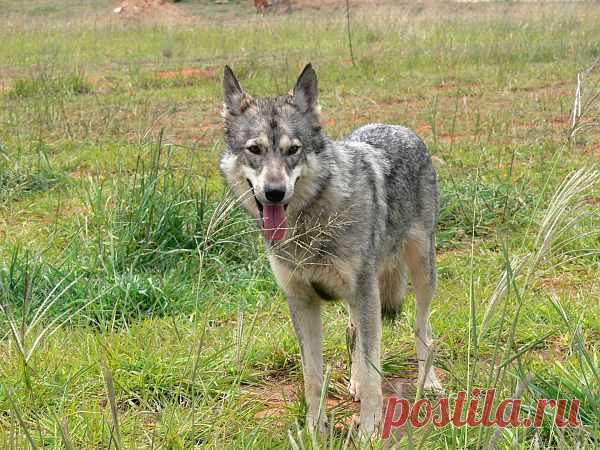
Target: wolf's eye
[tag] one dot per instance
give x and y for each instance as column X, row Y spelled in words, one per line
column 293, row 149
column 254, row 149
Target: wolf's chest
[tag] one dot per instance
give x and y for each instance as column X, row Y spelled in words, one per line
column 314, row 240
column 331, row 281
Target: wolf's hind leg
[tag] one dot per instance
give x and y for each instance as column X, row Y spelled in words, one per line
column 393, row 282
column 420, row 257
column 365, row 314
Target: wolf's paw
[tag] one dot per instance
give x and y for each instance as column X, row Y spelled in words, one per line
column 318, row 424
column 368, row 427
column 354, row 389
column 432, row 383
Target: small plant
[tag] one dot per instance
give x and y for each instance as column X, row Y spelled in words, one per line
column 48, row 84
column 29, row 319
column 21, row 176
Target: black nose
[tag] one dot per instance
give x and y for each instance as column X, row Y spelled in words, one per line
column 274, row 195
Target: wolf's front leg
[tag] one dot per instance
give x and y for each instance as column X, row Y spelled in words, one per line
column 365, row 313
column 305, row 310
column 306, row 317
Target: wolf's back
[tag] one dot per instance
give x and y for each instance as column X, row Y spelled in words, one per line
column 410, row 178
column 396, row 141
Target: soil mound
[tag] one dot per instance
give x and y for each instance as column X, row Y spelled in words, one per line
column 148, row 11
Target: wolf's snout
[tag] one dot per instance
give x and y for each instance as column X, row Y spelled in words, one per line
column 275, row 194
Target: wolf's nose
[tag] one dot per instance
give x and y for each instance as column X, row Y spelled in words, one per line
column 274, row 195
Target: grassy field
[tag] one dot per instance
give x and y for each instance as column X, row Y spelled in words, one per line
column 137, row 306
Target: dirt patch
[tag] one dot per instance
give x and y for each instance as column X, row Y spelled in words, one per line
column 454, row 86
column 594, row 150
column 556, row 348
column 556, row 284
column 148, row 11
column 424, row 128
column 189, row 72
column 560, row 122
column 594, row 201
column 318, row 4
column 279, row 394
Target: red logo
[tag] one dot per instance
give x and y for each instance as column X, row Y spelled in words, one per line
column 508, row 413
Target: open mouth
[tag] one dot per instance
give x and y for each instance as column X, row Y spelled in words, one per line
column 274, row 221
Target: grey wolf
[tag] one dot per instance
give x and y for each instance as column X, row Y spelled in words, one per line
column 345, row 219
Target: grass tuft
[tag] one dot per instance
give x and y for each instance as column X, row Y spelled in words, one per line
column 22, row 176
column 49, row 84
column 481, row 209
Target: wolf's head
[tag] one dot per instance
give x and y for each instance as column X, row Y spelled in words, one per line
column 271, row 147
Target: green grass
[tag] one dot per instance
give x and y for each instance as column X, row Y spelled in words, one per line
column 138, row 308
column 47, row 85
column 22, row 176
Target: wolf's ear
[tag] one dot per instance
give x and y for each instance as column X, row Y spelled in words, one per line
column 306, row 91
column 236, row 100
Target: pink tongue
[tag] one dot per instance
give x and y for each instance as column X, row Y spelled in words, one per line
column 274, row 222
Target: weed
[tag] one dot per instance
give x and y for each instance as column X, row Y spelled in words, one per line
column 479, row 209
column 21, row 176
column 50, row 84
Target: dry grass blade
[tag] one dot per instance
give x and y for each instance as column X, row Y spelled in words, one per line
column 292, row 441
column 51, row 299
column 514, row 267
column 587, row 99
column 14, row 332
column 19, row 337
column 112, row 398
column 218, row 224
column 51, row 328
column 20, row 418
column 564, row 211
column 64, row 432
column 308, row 240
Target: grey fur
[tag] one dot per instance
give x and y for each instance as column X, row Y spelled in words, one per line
column 362, row 214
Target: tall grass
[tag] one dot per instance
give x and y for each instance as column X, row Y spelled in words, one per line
column 576, row 378
column 152, row 242
column 148, row 237
column 51, row 83
column 565, row 211
column 22, row 175
column 479, row 209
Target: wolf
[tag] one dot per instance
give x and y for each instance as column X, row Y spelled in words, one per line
column 345, row 219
